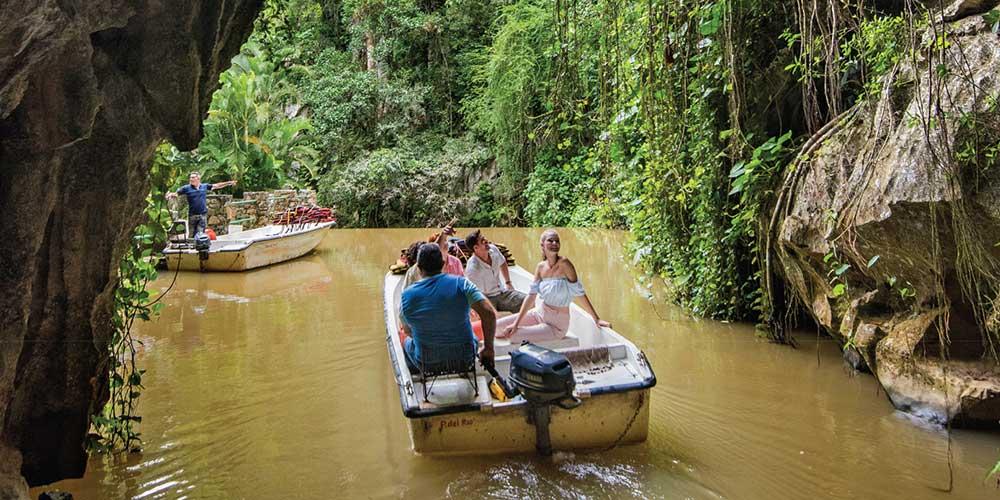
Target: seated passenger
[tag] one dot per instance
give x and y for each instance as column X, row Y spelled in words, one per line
column 487, row 269
column 557, row 284
column 452, row 265
column 413, row 273
column 435, row 312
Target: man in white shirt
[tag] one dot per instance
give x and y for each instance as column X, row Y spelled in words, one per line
column 487, row 269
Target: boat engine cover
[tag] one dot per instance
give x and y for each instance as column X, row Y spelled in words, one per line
column 202, row 242
column 541, row 374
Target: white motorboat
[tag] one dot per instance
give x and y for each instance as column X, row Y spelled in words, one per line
column 250, row 249
column 613, row 381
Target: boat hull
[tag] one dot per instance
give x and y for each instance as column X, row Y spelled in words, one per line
column 257, row 253
column 613, row 382
column 600, row 422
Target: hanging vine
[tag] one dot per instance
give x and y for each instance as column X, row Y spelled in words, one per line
column 115, row 427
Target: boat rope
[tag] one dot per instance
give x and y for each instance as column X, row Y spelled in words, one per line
column 631, row 421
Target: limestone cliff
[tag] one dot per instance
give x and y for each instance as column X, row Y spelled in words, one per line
column 905, row 182
column 87, row 91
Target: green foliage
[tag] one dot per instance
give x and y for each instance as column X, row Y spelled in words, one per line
column 752, row 179
column 420, row 183
column 485, row 209
column 288, row 31
column 994, row 473
column 608, row 112
column 511, row 80
column 978, row 152
column 808, row 59
column 254, row 133
column 696, row 196
column 115, row 428
column 835, row 273
column 601, row 112
column 356, row 111
column 993, row 19
column 872, row 261
column 381, row 84
column 251, row 133
column 558, row 192
column 875, row 48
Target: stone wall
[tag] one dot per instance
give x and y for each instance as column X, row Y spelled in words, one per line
column 218, row 218
column 267, row 204
column 255, row 209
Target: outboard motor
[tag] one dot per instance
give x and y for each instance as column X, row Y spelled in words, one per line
column 202, row 243
column 544, row 377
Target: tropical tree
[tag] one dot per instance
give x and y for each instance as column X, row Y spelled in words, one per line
column 254, row 132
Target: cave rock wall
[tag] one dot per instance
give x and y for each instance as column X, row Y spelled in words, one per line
column 87, row 91
column 892, row 185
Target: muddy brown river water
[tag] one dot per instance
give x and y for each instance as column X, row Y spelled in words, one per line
column 276, row 384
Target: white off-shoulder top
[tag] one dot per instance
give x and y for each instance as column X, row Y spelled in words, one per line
column 558, row 291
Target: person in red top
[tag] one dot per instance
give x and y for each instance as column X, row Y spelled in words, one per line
column 452, row 264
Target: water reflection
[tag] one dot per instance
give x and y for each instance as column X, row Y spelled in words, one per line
column 275, row 384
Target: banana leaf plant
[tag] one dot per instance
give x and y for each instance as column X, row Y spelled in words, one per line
column 253, row 133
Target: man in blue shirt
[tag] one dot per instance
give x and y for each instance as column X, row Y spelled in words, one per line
column 197, row 193
column 436, row 313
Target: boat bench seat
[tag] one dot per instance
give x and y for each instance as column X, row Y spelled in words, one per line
column 502, row 347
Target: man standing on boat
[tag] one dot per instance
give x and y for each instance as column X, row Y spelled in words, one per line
column 436, row 314
column 197, row 193
column 487, row 269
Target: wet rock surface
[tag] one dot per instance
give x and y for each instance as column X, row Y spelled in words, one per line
column 55, row 495
column 87, row 91
column 890, row 236
column 959, row 9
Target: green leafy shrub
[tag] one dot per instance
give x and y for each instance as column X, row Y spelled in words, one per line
column 559, row 193
column 356, row 111
column 876, row 47
column 408, row 185
column 253, row 133
column 511, row 80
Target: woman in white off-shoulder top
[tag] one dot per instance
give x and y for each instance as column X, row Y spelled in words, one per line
column 557, row 284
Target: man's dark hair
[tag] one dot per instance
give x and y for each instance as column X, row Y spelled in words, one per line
column 411, row 252
column 429, row 259
column 472, row 239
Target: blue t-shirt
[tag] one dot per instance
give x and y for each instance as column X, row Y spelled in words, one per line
column 196, row 198
column 437, row 310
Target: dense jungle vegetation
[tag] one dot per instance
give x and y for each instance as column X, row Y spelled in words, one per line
column 674, row 120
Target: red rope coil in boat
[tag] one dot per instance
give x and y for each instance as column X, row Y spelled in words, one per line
column 303, row 214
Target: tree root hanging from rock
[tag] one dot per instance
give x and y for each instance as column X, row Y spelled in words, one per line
column 793, row 175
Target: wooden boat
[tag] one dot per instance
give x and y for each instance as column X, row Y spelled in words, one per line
column 613, row 381
column 248, row 249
